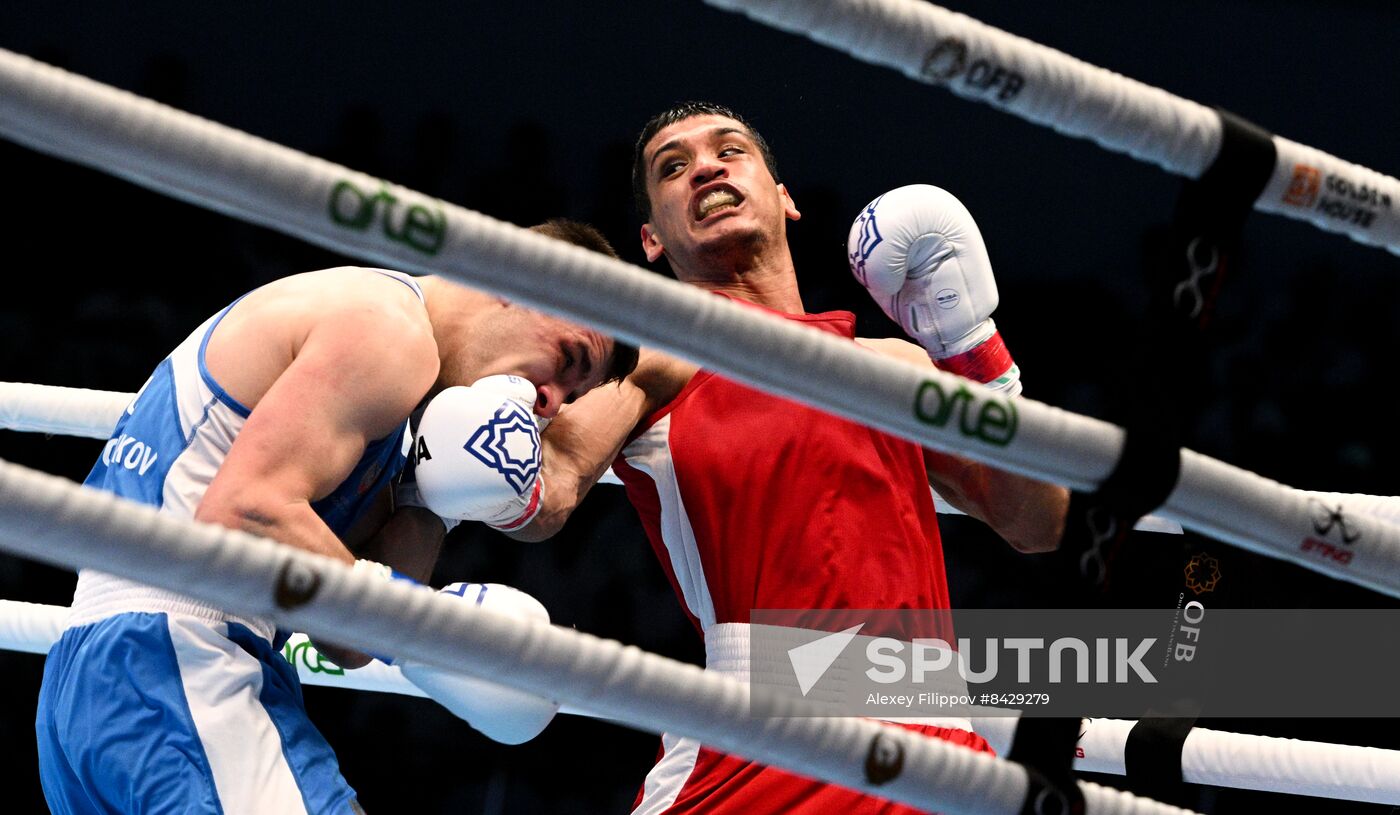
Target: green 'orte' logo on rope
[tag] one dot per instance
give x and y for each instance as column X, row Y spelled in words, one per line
column 994, row 423
column 417, row 226
column 315, row 661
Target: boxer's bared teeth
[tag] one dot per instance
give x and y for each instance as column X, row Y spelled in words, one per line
column 714, row 201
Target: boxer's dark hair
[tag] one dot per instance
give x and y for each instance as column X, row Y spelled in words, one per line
column 577, row 233
column 680, row 113
column 624, row 356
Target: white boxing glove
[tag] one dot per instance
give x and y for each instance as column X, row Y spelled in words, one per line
column 406, row 492
column 477, row 455
column 918, row 252
column 500, row 713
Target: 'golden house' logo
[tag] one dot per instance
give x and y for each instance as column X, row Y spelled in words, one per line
column 1303, row 189
column 1202, row 573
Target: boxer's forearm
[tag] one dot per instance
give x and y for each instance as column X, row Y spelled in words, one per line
column 409, row 542
column 287, row 520
column 1028, row 514
column 293, row 523
column 579, row 445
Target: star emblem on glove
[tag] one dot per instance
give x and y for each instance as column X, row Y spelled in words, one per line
column 509, row 443
column 870, row 238
column 1202, row 573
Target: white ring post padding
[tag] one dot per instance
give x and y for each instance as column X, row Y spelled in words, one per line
column 52, row 520
column 62, row 411
column 932, row 44
column 1239, row 761
column 215, row 166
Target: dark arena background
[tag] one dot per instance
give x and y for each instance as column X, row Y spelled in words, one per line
column 527, row 111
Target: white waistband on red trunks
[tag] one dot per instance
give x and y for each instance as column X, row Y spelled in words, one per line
column 727, row 652
column 100, row 595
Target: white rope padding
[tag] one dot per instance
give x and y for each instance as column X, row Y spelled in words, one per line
column 215, row 166
column 77, row 412
column 1045, row 86
column 33, row 628
column 60, row 411
column 55, row 521
column 1238, row 761
column 229, row 171
column 1210, row 757
column 30, row 627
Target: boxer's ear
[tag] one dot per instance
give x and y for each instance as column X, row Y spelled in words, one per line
column 651, row 243
column 789, row 205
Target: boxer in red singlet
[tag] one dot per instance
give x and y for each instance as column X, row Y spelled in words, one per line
column 754, row 501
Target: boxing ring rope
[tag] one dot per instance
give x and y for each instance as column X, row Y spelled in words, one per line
column 1238, row 761
column 55, row 521
column 33, row 628
column 60, row 411
column 1042, row 85
column 63, row 411
column 232, row 172
column 1210, row 757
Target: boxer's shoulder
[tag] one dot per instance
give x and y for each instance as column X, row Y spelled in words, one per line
column 897, row 349
column 661, row 377
column 364, row 295
column 368, row 317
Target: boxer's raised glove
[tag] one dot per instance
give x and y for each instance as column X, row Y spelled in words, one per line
column 478, row 453
column 500, row 713
column 918, row 252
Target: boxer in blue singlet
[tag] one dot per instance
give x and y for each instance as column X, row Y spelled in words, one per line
column 284, row 415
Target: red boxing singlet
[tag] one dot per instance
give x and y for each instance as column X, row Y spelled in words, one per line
column 752, row 501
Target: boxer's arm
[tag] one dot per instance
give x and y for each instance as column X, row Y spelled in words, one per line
column 407, row 539
column 409, row 542
column 579, row 445
column 586, row 437
column 307, row 432
column 1027, row 513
